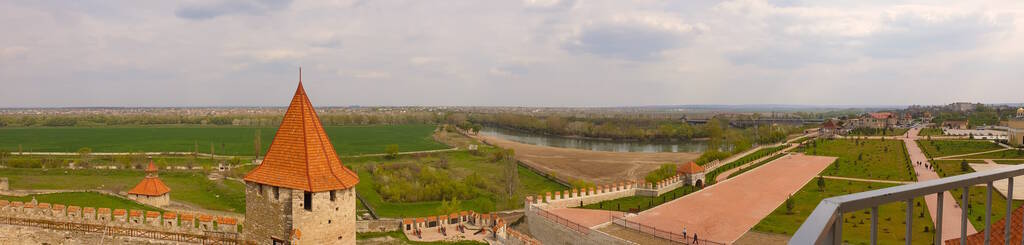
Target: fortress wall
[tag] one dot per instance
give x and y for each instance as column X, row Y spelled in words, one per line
column 152, row 220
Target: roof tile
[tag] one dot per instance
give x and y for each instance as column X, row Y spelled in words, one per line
column 301, row 156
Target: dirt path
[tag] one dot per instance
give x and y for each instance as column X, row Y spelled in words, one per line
column 969, row 154
column 598, row 167
column 950, row 210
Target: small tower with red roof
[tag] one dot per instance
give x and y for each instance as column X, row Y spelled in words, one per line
column 151, row 190
column 301, row 187
column 692, row 174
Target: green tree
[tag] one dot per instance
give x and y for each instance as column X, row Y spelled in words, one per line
column 790, row 204
column 821, row 183
column 392, row 151
column 964, row 167
column 84, row 154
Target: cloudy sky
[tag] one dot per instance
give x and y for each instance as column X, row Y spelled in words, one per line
column 521, row 53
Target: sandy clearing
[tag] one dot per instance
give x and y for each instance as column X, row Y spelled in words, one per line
column 598, row 167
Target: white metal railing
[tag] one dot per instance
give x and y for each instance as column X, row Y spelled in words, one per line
column 824, row 225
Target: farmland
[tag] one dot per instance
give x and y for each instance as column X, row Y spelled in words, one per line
column 347, row 140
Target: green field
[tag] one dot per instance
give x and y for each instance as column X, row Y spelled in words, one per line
column 878, row 132
column 84, row 199
column 941, row 148
column 930, row 132
column 946, row 168
column 459, row 165
column 188, row 187
column 639, row 203
column 713, row 175
column 755, row 165
column 856, row 225
column 867, row 159
column 1007, row 154
column 225, row 140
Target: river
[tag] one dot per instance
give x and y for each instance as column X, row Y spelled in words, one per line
column 593, row 144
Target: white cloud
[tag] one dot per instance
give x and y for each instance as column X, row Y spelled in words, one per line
column 530, row 52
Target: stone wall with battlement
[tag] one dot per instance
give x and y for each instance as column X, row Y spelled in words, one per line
column 195, row 223
column 582, row 197
column 492, row 224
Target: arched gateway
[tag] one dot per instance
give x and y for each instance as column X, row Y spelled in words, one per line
column 301, row 193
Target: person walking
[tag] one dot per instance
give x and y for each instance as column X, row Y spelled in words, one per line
column 684, row 232
column 694, row 238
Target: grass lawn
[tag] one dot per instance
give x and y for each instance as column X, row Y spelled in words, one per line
column 348, row 140
column 755, row 165
column 946, row 168
column 188, row 187
column 941, row 148
column 976, row 211
column 84, row 199
column 878, row 132
column 1007, row 154
column 1014, row 162
column 711, row 176
column 638, row 203
column 402, row 239
column 856, row 225
column 867, row 159
column 459, row 165
column 930, row 132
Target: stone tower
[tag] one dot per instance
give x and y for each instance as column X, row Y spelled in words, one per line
column 301, row 193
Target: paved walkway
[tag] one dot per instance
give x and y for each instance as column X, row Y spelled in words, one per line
column 725, row 211
column 868, row 180
column 586, row 217
column 950, row 211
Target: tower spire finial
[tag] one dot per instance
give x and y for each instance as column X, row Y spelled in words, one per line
column 300, row 74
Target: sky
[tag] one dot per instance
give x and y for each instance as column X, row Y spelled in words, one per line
column 577, row 53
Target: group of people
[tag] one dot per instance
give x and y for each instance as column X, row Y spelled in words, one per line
column 929, row 167
column 685, row 238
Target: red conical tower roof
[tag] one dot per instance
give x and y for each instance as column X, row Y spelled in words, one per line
column 301, row 156
column 151, row 168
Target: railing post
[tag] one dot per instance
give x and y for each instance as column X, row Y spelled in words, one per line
column 838, row 228
column 988, row 213
column 1009, row 206
column 938, row 222
column 910, row 220
column 874, row 225
column 963, row 215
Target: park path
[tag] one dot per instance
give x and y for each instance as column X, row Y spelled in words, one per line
column 725, row 175
column 950, row 210
column 867, row 180
column 969, row 154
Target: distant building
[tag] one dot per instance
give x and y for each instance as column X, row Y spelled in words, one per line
column 874, row 120
column 907, row 119
column 151, row 190
column 955, row 124
column 1015, row 133
column 962, row 106
column 1020, row 113
column 692, row 173
column 829, row 129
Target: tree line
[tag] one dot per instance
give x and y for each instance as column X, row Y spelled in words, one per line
column 258, row 120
